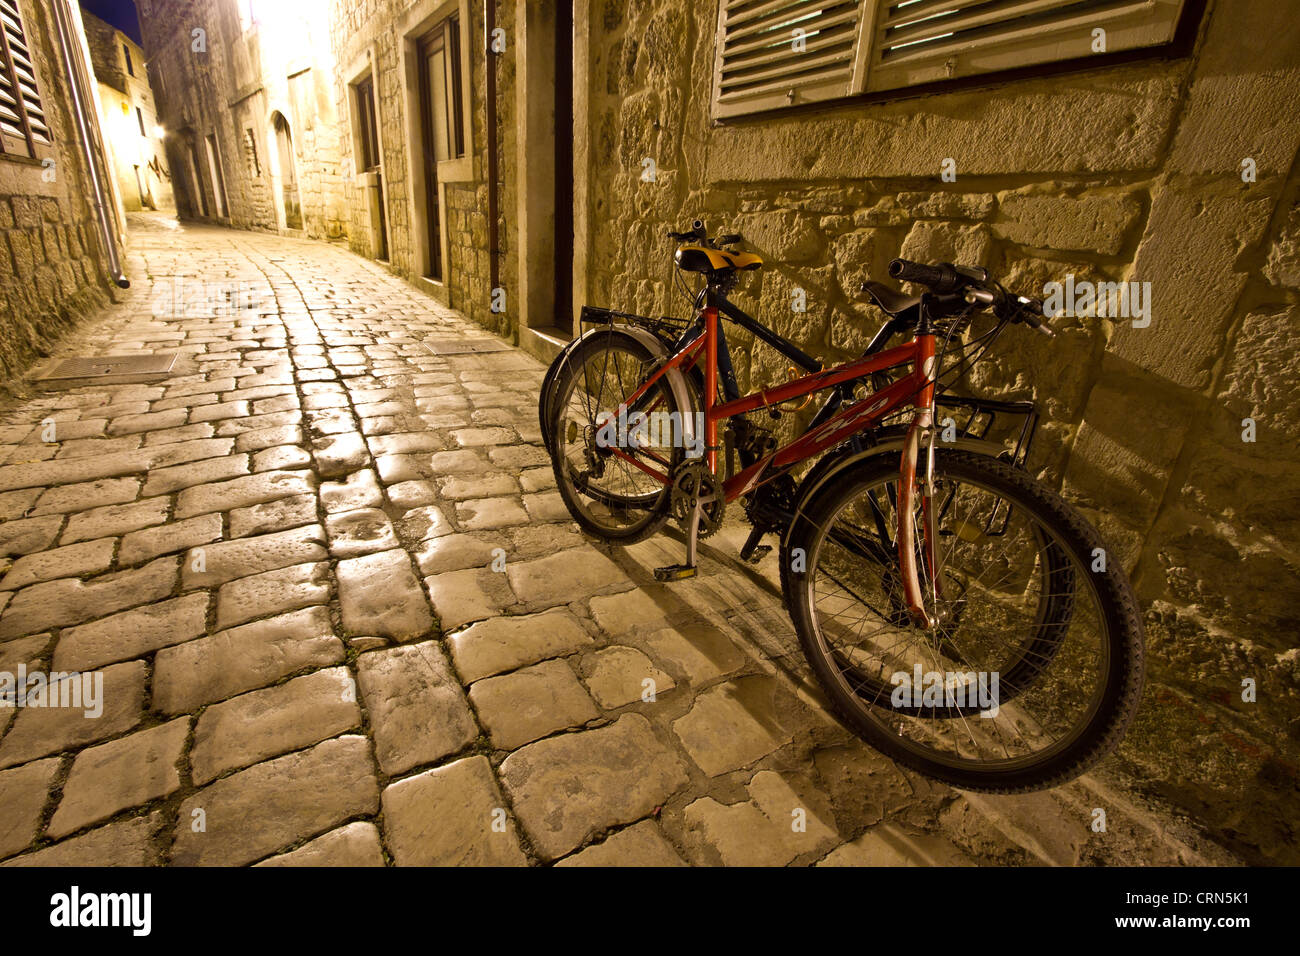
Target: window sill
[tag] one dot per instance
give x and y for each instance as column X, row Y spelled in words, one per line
column 455, row 170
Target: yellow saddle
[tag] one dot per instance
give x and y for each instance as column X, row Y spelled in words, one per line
column 696, row 258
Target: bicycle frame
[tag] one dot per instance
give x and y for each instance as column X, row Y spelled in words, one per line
column 917, row 389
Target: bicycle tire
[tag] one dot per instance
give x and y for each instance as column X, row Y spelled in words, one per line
column 546, row 394
column 1117, row 604
column 656, row 506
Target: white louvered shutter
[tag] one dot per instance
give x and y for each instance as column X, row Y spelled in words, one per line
column 758, row 66
column 22, row 120
column 867, row 46
column 922, row 41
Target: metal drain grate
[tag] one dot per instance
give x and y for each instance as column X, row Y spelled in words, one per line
column 116, row 368
column 466, row 346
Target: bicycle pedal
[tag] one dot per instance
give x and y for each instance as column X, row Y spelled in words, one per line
column 758, row 554
column 674, row 572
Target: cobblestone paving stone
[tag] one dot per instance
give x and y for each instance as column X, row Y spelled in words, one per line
column 342, row 618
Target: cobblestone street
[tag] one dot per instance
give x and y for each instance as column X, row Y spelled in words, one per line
column 342, row 617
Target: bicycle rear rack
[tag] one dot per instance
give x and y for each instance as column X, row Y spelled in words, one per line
column 975, row 428
column 984, row 412
column 661, row 325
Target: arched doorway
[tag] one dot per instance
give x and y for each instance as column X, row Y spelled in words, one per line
column 285, row 172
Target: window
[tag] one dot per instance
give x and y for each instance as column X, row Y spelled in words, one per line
column 22, row 120
column 199, row 192
column 367, row 131
column 218, row 179
column 158, row 85
column 776, row 53
column 130, row 67
column 443, row 96
column 139, row 118
column 250, row 148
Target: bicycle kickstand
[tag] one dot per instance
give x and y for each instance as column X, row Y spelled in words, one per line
column 680, row 572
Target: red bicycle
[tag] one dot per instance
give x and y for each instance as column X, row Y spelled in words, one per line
column 959, row 615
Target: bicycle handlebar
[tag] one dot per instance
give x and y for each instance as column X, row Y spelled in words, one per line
column 941, row 278
column 696, row 232
column 944, row 278
column 699, row 233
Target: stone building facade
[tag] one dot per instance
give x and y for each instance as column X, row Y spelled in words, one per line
column 1176, row 437
column 244, row 94
column 53, row 261
column 129, row 118
column 1172, row 163
column 434, row 228
column 1168, row 159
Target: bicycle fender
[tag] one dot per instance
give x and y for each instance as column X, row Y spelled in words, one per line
column 553, row 372
column 682, row 393
column 827, row 470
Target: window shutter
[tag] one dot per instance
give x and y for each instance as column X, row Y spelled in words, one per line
column 868, row 46
column 922, row 41
column 758, row 65
column 21, row 115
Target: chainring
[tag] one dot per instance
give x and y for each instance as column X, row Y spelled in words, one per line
column 693, row 480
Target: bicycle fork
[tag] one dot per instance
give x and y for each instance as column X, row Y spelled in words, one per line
column 920, row 438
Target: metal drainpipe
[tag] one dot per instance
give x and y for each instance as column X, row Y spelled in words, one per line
column 79, row 82
column 489, row 24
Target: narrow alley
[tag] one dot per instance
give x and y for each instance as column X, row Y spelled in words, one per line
column 342, row 617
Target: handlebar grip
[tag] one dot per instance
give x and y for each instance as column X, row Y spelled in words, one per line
column 1032, row 316
column 941, row 278
column 729, row 238
column 696, row 232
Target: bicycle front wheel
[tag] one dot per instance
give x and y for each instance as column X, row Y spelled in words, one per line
column 1032, row 669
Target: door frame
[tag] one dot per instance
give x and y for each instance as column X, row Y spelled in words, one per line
column 412, row 26
column 196, row 172
column 276, row 167
column 546, row 211
column 212, row 152
column 582, row 14
column 360, row 70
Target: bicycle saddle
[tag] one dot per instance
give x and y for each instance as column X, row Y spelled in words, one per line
column 696, row 258
column 890, row 300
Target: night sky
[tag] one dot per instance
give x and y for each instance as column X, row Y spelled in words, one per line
column 120, row 13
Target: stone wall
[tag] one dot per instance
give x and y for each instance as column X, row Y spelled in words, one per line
column 230, row 80
column 1128, row 172
column 377, row 28
column 137, row 154
column 52, row 264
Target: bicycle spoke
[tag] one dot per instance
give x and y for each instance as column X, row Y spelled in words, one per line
column 993, row 597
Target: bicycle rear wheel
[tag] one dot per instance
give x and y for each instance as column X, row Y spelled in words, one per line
column 1034, row 670
column 620, row 497
column 546, row 395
